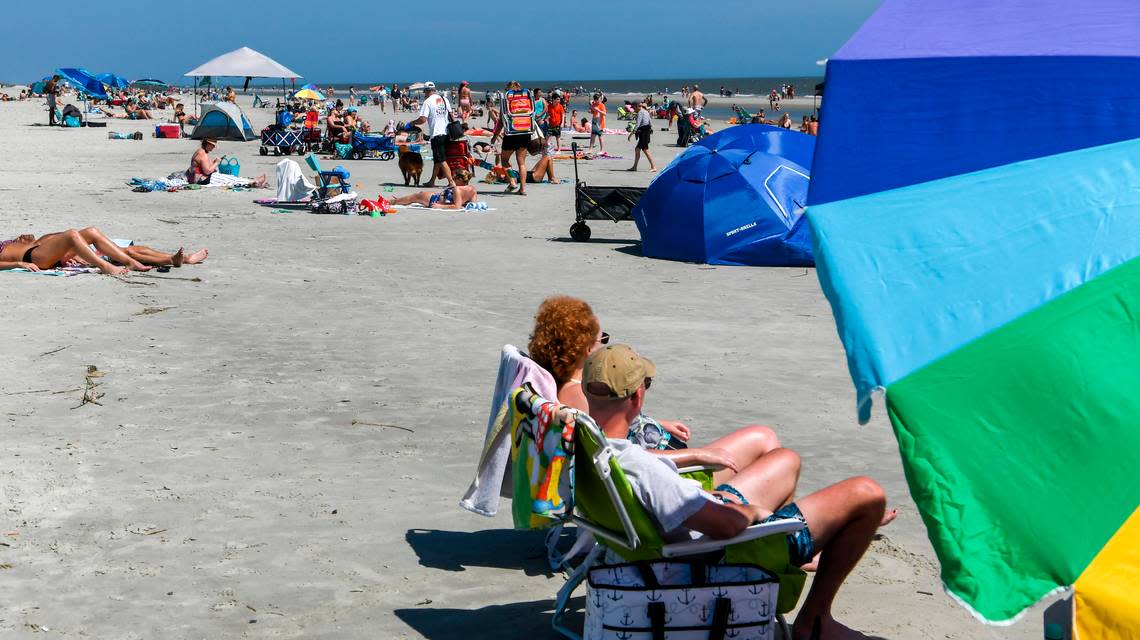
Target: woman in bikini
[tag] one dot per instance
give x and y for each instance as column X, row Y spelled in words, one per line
column 74, row 248
column 464, row 100
column 201, row 166
column 453, row 198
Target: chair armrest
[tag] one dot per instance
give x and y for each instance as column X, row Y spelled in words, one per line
column 704, row 544
column 700, row 467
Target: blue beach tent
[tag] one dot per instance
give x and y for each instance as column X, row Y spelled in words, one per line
column 223, row 121
column 734, row 198
column 946, row 87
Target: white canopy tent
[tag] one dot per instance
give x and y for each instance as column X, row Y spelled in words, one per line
column 244, row 63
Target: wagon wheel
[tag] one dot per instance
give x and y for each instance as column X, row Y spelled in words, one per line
column 263, row 151
column 580, row 232
column 387, row 155
column 357, row 154
column 299, row 149
column 286, row 150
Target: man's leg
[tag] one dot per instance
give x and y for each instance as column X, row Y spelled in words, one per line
column 842, row 519
column 769, row 482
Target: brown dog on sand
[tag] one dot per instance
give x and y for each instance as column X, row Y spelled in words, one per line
column 411, row 165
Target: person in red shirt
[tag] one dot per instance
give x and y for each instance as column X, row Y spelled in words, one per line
column 556, row 113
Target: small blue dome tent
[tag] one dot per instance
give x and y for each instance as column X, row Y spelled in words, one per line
column 734, row 198
column 223, row 121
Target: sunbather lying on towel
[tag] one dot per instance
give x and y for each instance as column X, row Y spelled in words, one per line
column 840, row 519
column 455, row 197
column 137, row 257
column 67, row 248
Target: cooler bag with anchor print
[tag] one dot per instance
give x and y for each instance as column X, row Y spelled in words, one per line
column 680, row 600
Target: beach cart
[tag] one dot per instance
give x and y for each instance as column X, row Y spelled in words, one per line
column 368, row 146
column 599, row 203
column 281, row 140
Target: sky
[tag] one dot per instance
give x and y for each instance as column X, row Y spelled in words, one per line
column 372, row 41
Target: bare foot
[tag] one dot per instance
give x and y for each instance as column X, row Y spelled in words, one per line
column 177, row 258
column 115, row 270
column 889, row 517
column 823, row 628
column 198, row 256
column 812, row 566
column 138, row 266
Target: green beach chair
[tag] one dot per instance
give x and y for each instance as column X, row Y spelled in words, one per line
column 605, row 506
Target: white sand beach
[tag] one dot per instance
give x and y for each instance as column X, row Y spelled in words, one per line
column 283, row 432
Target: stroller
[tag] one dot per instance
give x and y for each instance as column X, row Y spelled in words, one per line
column 599, row 203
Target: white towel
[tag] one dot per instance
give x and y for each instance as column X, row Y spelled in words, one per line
column 291, row 182
column 492, row 477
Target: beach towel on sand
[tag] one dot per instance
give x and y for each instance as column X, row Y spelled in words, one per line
column 292, row 185
column 492, row 477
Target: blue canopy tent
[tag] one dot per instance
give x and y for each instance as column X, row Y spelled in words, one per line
column 113, row 81
column 967, row 82
column 734, row 198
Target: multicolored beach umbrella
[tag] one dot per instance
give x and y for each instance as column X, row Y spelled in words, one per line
column 975, row 210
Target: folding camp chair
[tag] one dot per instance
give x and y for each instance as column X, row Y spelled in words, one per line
column 329, row 183
column 606, row 506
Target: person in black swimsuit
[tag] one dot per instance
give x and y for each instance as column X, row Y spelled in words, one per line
column 56, row 249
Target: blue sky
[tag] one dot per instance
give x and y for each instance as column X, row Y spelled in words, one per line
column 369, row 41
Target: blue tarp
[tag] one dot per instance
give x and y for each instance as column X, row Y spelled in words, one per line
column 734, row 198
column 947, row 88
column 83, row 81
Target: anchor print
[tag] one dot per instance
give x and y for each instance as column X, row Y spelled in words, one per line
column 653, row 596
column 755, row 589
column 686, row 597
column 626, row 619
column 731, row 633
column 614, row 595
column 598, row 599
column 704, row 615
column 624, row 635
column 720, row 593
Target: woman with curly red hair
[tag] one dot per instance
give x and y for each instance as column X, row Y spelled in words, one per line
column 566, row 332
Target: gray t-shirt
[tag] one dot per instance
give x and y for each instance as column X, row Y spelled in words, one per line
column 668, row 497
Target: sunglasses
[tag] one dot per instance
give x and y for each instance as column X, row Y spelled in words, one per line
column 605, row 339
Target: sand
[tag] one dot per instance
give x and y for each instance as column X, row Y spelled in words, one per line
column 234, row 479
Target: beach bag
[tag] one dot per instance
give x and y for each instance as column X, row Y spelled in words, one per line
column 343, row 151
column 518, row 112
column 680, row 600
column 70, row 121
column 344, row 204
column 541, row 451
column 230, row 166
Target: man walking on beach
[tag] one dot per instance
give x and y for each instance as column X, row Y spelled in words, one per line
column 435, row 112
column 51, row 89
column 643, row 129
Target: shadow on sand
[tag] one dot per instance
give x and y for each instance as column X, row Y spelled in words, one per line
column 516, row 620
column 497, row 548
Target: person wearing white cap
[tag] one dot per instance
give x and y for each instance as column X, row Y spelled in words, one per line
column 435, row 112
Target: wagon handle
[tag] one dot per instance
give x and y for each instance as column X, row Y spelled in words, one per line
column 574, row 152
